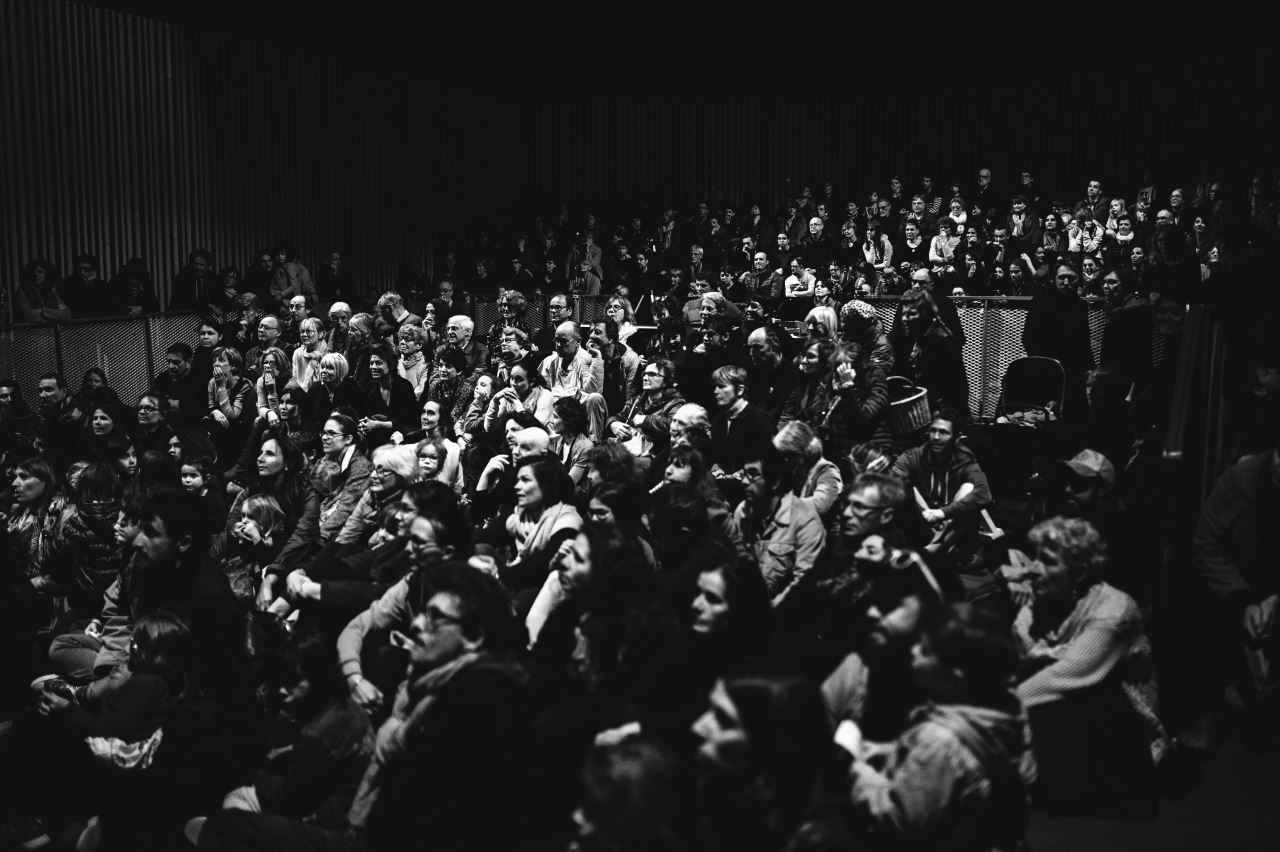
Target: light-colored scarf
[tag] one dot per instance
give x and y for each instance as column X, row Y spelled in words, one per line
column 530, row 535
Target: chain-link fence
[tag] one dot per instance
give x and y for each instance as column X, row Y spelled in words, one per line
column 129, row 350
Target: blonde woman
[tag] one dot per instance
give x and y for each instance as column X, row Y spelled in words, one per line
column 306, row 358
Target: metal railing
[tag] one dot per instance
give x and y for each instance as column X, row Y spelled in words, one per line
column 130, row 351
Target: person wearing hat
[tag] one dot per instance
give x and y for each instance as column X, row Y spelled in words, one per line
column 859, row 323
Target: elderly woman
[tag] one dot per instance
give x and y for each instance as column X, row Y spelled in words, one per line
column 842, row 397
column 619, row 309
column 817, row 480
column 1087, row 679
column 512, row 306
column 360, row 332
column 415, row 363
column 306, row 358
column 394, row 469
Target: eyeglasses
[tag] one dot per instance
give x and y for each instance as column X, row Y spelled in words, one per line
column 655, row 373
column 382, row 471
column 329, row 433
column 147, row 409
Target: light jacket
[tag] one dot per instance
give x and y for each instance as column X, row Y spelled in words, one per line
column 787, row 547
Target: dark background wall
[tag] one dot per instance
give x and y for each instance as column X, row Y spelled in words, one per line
column 124, row 134
column 1217, row 114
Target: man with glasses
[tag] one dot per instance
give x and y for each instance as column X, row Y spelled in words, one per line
column 573, row 371
column 268, row 338
column 1057, row 327
column 783, row 532
column 186, row 393
column 559, row 309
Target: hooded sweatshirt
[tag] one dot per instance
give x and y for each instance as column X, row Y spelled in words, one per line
column 939, row 481
column 956, row 779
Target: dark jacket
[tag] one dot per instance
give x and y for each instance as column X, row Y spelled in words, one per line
column 1237, row 537
column 461, row 782
column 1058, row 327
column 736, row 441
column 938, row 482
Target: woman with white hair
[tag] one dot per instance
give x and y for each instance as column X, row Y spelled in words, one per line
column 394, row 468
column 822, row 323
column 306, row 358
column 334, row 388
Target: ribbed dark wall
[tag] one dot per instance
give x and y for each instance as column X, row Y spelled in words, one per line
column 1066, row 124
column 124, row 136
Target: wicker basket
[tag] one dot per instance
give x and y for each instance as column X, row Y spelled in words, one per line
column 908, row 407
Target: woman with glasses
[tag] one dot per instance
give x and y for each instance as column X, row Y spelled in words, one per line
column 273, row 377
column 152, row 431
column 394, row 469
column 619, row 309
column 312, row 347
column 644, row 425
column 341, row 475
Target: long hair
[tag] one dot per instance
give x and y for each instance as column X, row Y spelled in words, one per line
column 165, row 645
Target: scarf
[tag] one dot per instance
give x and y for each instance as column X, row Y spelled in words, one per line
column 531, row 534
column 326, row 474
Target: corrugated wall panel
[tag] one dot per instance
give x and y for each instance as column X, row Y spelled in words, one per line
column 122, row 136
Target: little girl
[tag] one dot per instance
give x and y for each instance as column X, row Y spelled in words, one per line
column 256, row 539
column 199, row 478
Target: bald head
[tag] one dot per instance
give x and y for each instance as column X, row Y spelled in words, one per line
column 567, row 337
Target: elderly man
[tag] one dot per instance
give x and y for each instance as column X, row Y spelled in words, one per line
column 268, row 338
column 339, row 324
column 771, row 376
column 816, row 244
column 457, row 335
column 392, row 314
column 573, row 371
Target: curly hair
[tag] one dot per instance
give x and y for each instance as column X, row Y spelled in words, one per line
column 1075, row 542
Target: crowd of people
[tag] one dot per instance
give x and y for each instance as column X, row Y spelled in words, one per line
column 713, row 574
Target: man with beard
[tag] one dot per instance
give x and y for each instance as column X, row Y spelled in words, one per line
column 950, row 486
column 760, row 281
column 876, row 598
column 169, row 567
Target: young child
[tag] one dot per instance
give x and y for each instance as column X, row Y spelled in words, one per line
column 256, row 539
column 199, row 476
